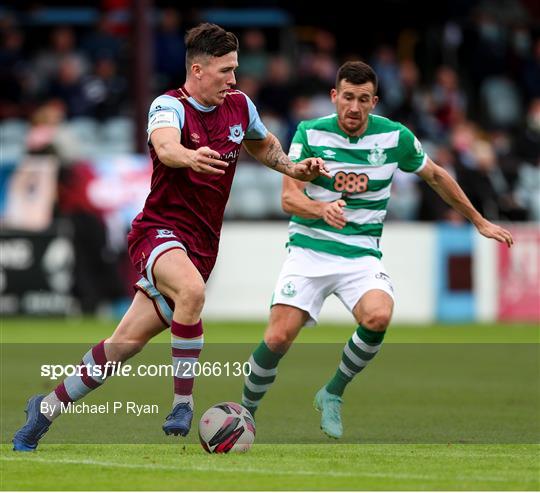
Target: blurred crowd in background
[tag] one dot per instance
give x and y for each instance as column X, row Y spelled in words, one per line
column 468, row 87
column 477, row 111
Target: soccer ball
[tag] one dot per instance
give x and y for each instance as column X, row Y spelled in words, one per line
column 226, row 427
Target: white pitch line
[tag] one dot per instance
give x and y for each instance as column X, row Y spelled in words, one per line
column 213, row 468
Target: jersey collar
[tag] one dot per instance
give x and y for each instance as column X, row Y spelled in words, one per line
column 191, row 100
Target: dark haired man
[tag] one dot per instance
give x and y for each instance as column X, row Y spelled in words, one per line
column 195, row 134
column 335, row 230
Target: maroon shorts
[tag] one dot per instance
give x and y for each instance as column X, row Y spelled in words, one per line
column 145, row 246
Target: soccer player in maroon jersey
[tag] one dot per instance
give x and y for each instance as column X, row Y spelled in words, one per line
column 195, row 135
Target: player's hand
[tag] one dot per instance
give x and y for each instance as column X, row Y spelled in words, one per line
column 310, row 168
column 490, row 230
column 332, row 213
column 204, row 160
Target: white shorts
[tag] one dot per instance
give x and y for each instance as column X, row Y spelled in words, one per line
column 308, row 277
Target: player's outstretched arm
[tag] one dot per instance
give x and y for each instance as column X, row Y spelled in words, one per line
column 166, row 142
column 439, row 179
column 295, row 202
column 269, row 152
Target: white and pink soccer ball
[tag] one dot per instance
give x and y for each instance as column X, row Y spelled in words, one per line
column 226, row 427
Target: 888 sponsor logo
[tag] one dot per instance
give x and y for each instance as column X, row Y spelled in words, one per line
column 349, row 183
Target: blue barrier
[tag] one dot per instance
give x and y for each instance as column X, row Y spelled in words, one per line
column 453, row 273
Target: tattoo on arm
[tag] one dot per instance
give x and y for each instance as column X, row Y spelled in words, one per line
column 277, row 159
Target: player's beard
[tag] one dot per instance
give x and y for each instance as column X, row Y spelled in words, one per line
column 353, row 125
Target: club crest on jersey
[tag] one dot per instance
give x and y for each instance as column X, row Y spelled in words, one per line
column 196, row 138
column 288, row 290
column 376, row 156
column 165, row 233
column 236, row 134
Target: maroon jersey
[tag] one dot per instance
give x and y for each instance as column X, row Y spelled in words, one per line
column 181, row 199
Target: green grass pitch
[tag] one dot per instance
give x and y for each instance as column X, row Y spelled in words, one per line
column 441, row 408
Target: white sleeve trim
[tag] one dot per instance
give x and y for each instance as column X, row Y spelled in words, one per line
column 421, row 167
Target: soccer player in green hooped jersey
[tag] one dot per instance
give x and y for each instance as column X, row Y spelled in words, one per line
column 335, row 230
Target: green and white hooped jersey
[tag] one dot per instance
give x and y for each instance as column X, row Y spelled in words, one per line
column 362, row 169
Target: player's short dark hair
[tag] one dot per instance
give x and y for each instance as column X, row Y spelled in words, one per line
column 209, row 40
column 357, row 73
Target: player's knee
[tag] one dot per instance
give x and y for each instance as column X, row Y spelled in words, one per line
column 278, row 341
column 191, row 297
column 377, row 320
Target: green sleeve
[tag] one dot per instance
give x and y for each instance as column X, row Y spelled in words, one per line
column 411, row 156
column 299, row 149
